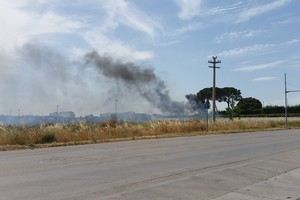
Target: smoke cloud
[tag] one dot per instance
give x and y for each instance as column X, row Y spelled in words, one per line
column 143, row 80
column 34, row 79
column 194, row 104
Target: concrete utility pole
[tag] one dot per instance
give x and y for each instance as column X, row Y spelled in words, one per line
column 214, row 62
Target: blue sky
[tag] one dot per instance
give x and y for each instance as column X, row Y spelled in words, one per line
column 43, row 43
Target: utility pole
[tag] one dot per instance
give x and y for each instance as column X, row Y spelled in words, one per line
column 214, row 62
column 116, row 104
column 57, row 115
column 285, row 95
column 19, row 115
column 285, row 99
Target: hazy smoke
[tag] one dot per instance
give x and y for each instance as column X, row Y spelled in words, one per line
column 194, row 104
column 143, row 80
column 34, row 79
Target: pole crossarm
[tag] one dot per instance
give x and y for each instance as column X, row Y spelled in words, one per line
column 289, row 91
column 214, row 67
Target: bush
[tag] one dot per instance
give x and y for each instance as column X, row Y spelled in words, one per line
column 48, row 138
column 273, row 110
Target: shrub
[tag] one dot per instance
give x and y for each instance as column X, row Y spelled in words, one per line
column 48, row 138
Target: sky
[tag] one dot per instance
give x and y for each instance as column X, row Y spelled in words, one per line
column 51, row 50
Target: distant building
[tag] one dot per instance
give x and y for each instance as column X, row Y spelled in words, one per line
column 63, row 114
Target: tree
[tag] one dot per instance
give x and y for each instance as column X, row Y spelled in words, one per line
column 250, row 105
column 206, row 94
column 232, row 112
column 230, row 95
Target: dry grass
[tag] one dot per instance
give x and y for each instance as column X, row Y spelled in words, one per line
column 15, row 137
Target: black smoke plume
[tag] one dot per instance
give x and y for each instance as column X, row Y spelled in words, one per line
column 142, row 79
column 196, row 105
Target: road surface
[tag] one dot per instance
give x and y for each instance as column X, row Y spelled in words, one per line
column 258, row 165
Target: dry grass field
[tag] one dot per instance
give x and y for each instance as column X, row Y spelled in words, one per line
column 20, row 137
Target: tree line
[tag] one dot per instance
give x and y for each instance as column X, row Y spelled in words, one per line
column 237, row 105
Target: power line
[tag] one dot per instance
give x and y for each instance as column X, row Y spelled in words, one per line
column 295, row 86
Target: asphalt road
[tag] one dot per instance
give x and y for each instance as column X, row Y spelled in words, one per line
column 205, row 167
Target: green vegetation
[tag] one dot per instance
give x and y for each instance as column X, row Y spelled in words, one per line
column 268, row 111
column 249, row 105
column 16, row 137
column 237, row 106
column 281, row 110
column 229, row 95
